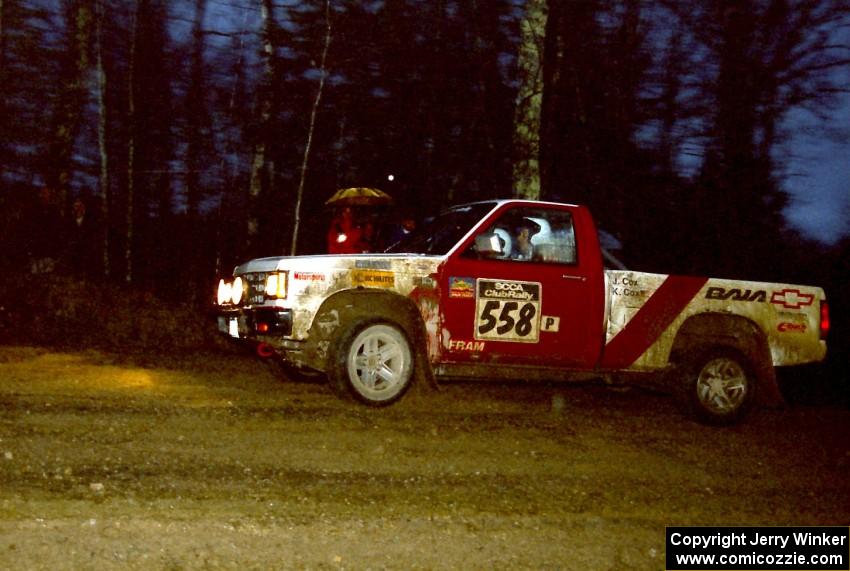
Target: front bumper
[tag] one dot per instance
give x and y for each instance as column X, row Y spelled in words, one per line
column 254, row 323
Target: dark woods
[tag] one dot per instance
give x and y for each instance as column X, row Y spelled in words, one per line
column 182, row 126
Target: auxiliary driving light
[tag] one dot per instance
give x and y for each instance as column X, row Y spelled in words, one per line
column 224, row 292
column 236, row 291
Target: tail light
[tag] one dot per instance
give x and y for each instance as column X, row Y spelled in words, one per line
column 824, row 319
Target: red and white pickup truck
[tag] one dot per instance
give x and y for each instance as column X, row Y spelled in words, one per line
column 519, row 289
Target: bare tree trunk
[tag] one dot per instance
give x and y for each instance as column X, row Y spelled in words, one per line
column 195, row 137
column 313, row 113
column 529, row 100
column 101, row 137
column 2, row 40
column 71, row 98
column 131, row 147
column 258, row 162
column 195, row 117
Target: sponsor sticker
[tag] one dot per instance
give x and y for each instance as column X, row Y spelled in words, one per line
column 792, row 298
column 370, row 278
column 372, row 264
column 507, row 311
column 463, row 288
column 309, row 276
column 736, row 294
column 466, row 346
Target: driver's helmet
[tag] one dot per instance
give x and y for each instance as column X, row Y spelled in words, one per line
column 507, row 243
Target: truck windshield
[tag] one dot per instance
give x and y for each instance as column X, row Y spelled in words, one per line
column 437, row 235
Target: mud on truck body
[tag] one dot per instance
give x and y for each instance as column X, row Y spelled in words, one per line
column 518, row 289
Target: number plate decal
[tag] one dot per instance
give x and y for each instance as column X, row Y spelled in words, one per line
column 507, row 311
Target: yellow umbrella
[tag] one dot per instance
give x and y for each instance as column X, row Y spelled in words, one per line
column 359, row 196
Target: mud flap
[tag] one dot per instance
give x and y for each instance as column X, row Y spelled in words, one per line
column 768, row 394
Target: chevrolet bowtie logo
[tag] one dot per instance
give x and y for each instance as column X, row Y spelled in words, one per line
column 792, row 298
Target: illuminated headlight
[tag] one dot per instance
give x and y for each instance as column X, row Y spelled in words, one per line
column 236, row 290
column 224, row 292
column 276, row 285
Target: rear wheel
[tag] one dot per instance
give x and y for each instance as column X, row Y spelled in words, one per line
column 721, row 386
column 374, row 361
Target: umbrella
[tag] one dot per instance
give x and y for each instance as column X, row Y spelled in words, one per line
column 359, row 196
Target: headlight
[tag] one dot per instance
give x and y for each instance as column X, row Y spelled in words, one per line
column 276, row 285
column 236, row 291
column 224, row 292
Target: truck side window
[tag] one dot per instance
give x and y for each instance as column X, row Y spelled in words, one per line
column 530, row 235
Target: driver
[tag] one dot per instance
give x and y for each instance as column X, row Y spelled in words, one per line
column 523, row 249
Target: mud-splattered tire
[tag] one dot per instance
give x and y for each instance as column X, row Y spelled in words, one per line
column 373, row 361
column 721, row 386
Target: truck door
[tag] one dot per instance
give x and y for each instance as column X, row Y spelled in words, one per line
column 527, row 290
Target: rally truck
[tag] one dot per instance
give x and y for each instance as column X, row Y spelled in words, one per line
column 515, row 289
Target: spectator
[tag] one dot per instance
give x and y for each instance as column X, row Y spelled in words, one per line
column 403, row 229
column 344, row 236
column 82, row 255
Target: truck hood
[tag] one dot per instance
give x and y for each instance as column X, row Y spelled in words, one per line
column 405, row 263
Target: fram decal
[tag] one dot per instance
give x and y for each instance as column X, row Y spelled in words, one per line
column 309, row 276
column 461, row 287
column 792, row 298
column 736, row 294
column 786, row 327
column 372, row 278
column 468, row 346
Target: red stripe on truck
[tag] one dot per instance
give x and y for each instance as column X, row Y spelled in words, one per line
column 650, row 321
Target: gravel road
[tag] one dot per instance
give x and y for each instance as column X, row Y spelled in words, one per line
column 214, row 462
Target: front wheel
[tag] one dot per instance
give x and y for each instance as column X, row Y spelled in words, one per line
column 374, row 361
column 721, row 386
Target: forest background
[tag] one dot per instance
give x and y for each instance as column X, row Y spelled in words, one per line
column 201, row 133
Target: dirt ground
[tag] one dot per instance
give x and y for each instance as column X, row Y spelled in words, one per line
column 213, row 462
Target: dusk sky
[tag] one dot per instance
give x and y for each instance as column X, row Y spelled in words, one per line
column 819, row 181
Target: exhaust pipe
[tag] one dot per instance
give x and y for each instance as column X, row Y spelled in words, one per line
column 264, row 351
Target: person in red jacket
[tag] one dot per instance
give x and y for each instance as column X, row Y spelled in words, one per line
column 344, row 235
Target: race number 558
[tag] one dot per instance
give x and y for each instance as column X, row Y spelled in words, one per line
column 507, row 311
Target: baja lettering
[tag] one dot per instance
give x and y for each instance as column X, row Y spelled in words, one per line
column 736, row 294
